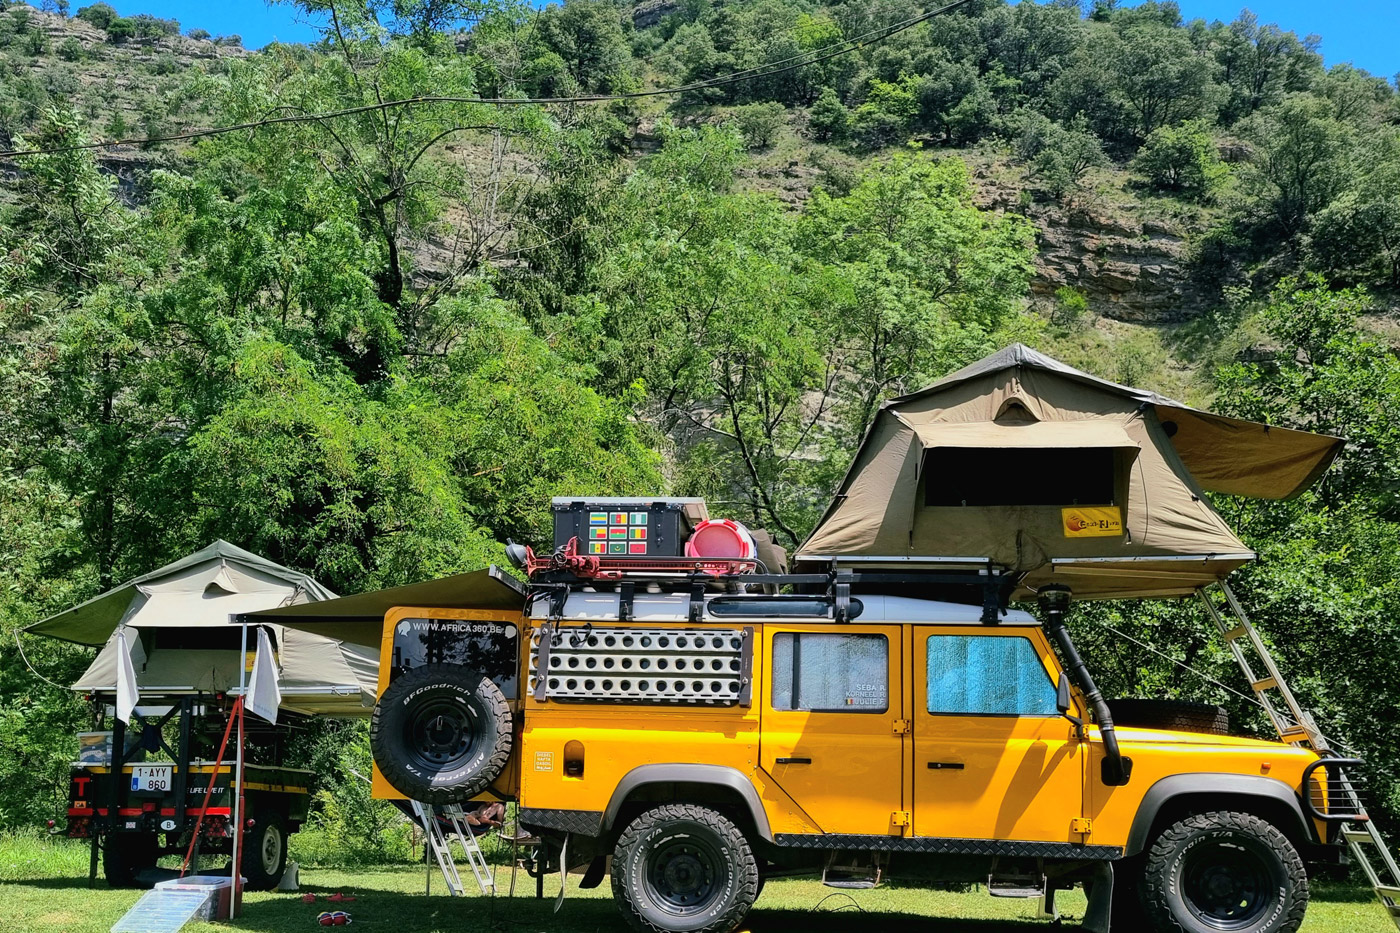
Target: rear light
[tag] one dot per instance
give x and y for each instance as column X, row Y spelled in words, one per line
column 78, row 828
column 50, row 824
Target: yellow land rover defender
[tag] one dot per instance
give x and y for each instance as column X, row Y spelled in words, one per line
column 695, row 724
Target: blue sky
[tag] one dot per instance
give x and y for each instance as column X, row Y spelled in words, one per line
column 1363, row 32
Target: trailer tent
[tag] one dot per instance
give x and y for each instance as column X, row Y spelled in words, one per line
column 1060, row 477
column 185, row 642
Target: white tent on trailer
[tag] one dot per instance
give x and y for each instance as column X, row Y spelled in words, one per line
column 179, row 616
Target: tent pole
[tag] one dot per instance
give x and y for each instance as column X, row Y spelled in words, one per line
column 238, row 773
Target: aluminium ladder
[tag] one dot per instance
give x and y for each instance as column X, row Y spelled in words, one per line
column 1296, row 726
column 441, row 848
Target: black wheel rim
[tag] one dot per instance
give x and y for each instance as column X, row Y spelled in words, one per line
column 685, row 874
column 1227, row 885
column 441, row 735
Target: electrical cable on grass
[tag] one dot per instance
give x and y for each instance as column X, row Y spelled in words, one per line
column 853, row 902
column 782, row 66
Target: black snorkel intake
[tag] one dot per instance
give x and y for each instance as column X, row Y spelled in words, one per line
column 1054, row 603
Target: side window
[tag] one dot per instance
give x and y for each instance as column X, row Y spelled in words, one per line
column 987, row 675
column 824, row 673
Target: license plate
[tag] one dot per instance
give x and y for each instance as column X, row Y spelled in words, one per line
column 151, row 777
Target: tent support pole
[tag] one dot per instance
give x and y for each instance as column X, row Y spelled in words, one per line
column 238, row 774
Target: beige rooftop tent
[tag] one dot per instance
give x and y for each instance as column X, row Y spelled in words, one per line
column 1059, row 477
column 187, row 644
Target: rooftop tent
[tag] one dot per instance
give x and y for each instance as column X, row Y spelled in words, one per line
column 1060, row 477
column 181, row 613
column 359, row 619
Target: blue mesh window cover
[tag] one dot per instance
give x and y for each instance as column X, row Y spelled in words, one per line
column 831, row 673
column 987, row 675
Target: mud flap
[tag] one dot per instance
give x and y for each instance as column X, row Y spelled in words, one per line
column 1099, row 891
column 596, row 870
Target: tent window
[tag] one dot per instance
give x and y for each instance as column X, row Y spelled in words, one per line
column 977, row 476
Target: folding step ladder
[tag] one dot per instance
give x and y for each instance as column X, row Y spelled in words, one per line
column 1296, row 726
column 441, row 847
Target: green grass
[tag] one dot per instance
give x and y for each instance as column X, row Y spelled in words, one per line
column 43, row 889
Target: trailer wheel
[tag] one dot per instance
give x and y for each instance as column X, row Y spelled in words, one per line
column 1224, row 871
column 125, row 855
column 684, row 869
column 441, row 733
column 264, row 855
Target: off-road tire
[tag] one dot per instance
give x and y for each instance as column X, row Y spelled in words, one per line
column 1177, row 715
column 673, row 853
column 1224, row 871
column 264, row 856
column 441, row 733
column 124, row 855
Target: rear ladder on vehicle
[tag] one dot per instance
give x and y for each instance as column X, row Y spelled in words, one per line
column 1296, row 726
column 441, row 847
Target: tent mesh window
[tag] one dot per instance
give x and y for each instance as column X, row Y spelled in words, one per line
column 973, row 476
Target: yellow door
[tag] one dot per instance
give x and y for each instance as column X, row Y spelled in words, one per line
column 831, row 701
column 992, row 758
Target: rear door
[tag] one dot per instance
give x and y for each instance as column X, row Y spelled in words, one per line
column 831, row 700
column 993, row 759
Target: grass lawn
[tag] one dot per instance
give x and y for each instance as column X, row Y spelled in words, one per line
column 43, row 889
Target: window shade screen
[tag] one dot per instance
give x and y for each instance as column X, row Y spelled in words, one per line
column 988, row 675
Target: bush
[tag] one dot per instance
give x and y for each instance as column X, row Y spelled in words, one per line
column 758, row 124
column 71, row 50
column 199, row 35
column 100, row 15
column 829, row 118
column 235, row 40
column 1070, row 307
column 1181, row 159
column 120, row 30
column 165, row 64
column 36, row 43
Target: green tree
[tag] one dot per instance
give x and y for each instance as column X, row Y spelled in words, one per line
column 829, row 118
column 759, row 124
column 1065, row 156
column 100, row 15
column 1301, row 162
column 1182, row 159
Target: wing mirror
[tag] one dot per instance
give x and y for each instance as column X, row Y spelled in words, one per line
column 1064, row 703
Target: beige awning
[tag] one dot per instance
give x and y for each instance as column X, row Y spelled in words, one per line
column 359, row 619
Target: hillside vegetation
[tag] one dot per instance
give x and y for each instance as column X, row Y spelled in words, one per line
column 373, row 346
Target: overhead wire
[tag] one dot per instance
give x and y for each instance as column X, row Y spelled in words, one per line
column 782, row 66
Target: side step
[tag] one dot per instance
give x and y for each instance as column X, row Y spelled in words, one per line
column 853, row 875
column 1017, row 883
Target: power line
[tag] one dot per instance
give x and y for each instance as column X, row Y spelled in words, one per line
column 781, row 66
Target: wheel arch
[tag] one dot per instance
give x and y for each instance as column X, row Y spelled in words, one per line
column 1176, row 796
column 696, row 783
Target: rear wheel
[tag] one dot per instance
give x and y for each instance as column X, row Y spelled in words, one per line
column 125, row 855
column 682, row 868
column 1224, row 871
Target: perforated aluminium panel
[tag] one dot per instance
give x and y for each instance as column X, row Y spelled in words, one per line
column 702, row 666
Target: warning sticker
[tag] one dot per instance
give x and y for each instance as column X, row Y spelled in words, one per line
column 544, row 761
column 1092, row 521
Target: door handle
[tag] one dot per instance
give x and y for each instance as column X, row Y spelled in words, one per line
column 945, row 765
column 794, row 761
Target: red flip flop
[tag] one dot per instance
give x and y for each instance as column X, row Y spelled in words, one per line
column 338, row 897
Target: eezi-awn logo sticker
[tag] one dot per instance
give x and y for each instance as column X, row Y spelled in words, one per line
column 1096, row 522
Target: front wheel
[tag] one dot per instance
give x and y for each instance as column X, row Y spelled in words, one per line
column 682, row 868
column 1224, row 871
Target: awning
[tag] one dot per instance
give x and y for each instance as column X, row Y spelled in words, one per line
column 359, row 619
column 1035, row 435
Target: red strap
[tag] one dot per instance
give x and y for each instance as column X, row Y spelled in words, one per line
column 209, row 792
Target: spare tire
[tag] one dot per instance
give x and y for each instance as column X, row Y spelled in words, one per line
column 441, row 733
column 1177, row 715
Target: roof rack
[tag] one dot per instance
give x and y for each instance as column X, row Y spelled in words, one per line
column 564, row 572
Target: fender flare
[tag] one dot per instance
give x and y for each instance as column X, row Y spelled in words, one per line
column 1207, row 784
column 714, row 775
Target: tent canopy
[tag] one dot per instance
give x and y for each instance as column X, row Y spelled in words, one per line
column 185, row 642
column 1060, row 477
column 359, row 619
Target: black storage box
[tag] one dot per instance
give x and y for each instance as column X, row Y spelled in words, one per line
column 627, row 527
